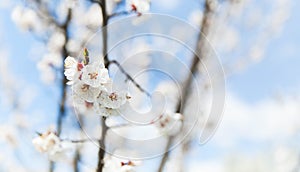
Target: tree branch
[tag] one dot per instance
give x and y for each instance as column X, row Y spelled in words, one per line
column 166, row 154
column 129, row 77
column 200, row 48
column 101, row 151
column 62, row 110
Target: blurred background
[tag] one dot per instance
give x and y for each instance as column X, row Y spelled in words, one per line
column 256, row 42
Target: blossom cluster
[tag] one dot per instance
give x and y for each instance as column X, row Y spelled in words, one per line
column 91, row 86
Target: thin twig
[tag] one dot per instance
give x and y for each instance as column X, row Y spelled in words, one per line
column 76, row 160
column 81, row 141
column 120, row 13
column 73, row 140
column 101, row 151
column 119, row 126
column 43, row 12
column 166, row 154
column 130, row 77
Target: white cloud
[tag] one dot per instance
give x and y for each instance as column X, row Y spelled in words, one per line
column 268, row 127
column 265, row 121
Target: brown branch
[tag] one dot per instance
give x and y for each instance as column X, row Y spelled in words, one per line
column 71, row 140
column 76, row 160
column 101, row 152
column 166, row 154
column 130, row 77
column 104, row 32
column 200, row 48
column 119, row 126
column 82, row 140
column 65, row 53
column 62, row 110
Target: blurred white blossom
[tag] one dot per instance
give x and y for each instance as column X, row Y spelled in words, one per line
column 169, row 123
column 52, row 145
column 140, row 6
column 25, row 18
column 113, row 164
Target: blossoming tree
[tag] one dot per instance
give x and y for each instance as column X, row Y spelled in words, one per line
column 107, row 90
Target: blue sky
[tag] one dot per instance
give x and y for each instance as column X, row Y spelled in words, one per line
column 278, row 71
column 275, row 73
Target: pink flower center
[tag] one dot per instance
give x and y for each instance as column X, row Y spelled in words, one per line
column 79, row 66
column 127, row 163
column 85, row 87
column 113, row 96
column 93, row 75
column 133, row 7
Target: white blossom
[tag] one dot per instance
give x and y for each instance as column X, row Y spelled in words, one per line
column 140, row 6
column 169, row 123
column 86, row 92
column 95, row 74
column 196, row 17
column 92, row 18
column 25, row 18
column 47, row 75
column 113, row 164
column 70, row 62
column 73, row 45
column 112, row 100
column 56, row 41
column 50, row 60
column 104, row 111
column 72, row 69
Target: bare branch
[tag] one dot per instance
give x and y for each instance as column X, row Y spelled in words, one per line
column 200, row 48
column 71, row 140
column 76, row 160
column 44, row 12
column 62, row 110
column 119, row 126
column 81, row 141
column 121, row 13
column 166, row 154
column 130, row 77
column 65, row 53
column 101, row 151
